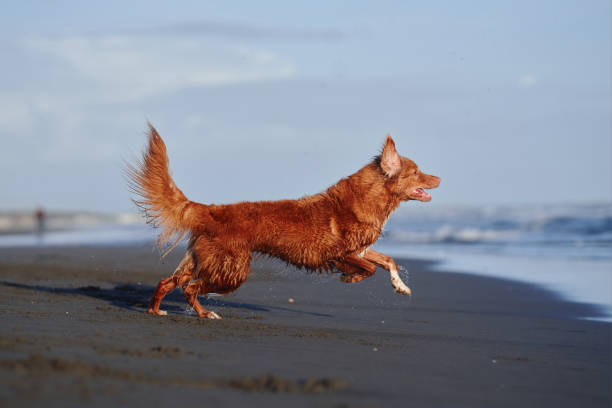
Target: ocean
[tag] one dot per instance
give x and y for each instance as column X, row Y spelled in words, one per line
column 564, row 248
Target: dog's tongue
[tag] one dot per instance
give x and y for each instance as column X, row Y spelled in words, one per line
column 422, row 193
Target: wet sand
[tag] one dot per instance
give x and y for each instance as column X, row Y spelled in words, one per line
column 74, row 333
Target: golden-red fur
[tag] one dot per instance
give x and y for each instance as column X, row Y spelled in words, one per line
column 332, row 230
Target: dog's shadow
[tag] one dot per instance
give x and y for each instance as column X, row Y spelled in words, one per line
column 136, row 298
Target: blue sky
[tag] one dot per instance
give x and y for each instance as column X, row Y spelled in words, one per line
column 508, row 102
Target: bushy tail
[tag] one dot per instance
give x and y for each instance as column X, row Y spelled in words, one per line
column 160, row 200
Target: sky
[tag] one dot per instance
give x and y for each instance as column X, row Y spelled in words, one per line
column 508, row 102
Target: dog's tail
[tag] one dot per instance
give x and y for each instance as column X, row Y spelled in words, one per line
column 160, row 200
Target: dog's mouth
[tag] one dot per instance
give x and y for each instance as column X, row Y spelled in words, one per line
column 420, row 194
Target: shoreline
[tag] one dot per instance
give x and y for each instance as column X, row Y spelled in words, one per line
column 555, row 275
column 594, row 311
column 74, row 328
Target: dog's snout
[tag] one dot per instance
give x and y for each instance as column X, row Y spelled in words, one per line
column 436, row 181
column 432, row 181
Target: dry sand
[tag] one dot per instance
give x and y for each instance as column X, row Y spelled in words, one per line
column 74, row 333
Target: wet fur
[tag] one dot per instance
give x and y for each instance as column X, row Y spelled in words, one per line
column 331, row 231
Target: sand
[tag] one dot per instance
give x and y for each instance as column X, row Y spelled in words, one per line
column 74, row 333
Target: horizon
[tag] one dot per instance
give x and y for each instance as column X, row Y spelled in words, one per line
column 404, row 208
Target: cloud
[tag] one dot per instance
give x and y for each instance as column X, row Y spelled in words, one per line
column 528, row 81
column 14, row 113
column 70, row 98
column 238, row 31
column 123, row 67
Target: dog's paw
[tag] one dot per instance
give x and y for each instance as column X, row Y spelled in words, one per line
column 398, row 285
column 212, row 315
column 402, row 290
column 157, row 312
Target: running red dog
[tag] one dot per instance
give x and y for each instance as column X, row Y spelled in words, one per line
column 332, row 230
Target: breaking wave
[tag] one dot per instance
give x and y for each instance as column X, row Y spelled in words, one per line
column 585, row 228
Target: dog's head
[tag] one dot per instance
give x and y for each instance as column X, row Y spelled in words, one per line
column 404, row 179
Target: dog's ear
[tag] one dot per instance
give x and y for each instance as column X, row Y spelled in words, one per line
column 390, row 161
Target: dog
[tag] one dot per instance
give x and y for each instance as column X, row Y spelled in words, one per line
column 330, row 231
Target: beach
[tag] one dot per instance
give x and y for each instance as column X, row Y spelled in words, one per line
column 74, row 332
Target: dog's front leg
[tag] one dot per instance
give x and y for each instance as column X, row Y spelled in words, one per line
column 354, row 268
column 388, row 263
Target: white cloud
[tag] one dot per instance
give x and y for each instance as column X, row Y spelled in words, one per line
column 133, row 67
column 14, row 113
column 73, row 96
column 528, row 81
column 236, row 30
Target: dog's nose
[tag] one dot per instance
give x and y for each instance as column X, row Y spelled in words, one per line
column 436, row 181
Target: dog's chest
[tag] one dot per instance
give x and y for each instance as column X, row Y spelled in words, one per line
column 362, row 236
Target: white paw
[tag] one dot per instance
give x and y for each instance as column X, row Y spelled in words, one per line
column 402, row 289
column 212, row 315
column 398, row 285
column 157, row 312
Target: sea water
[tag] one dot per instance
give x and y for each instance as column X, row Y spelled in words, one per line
column 564, row 248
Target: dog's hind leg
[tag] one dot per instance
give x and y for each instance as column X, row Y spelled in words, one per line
column 354, row 268
column 191, row 291
column 220, row 270
column 182, row 274
column 388, row 263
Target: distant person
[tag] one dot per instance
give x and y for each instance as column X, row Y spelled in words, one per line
column 40, row 220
